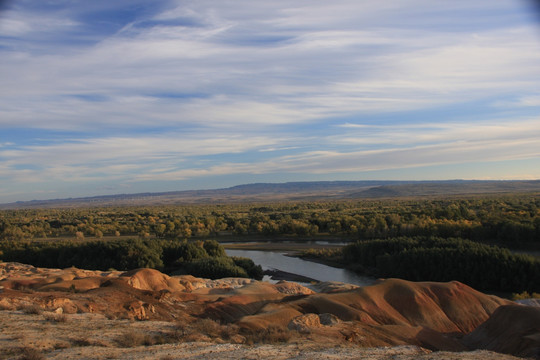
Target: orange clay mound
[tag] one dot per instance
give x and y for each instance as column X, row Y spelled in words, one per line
column 22, row 276
column 153, row 280
column 292, row 288
column 392, row 312
column 83, row 284
column 243, row 301
column 443, row 307
column 437, row 316
column 512, row 329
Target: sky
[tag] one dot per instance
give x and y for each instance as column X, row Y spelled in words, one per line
column 107, row 97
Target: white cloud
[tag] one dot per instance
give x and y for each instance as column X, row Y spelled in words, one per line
column 327, row 66
column 12, row 27
column 114, row 158
column 523, row 101
column 358, row 148
column 206, row 88
column 14, row 23
column 432, row 132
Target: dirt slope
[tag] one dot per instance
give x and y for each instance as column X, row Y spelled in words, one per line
column 428, row 316
column 512, row 329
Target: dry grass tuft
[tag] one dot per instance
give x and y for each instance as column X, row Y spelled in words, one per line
column 56, row 318
column 130, row 339
column 31, row 309
column 184, row 331
column 133, row 339
column 28, row 353
column 81, row 342
column 207, row 327
column 271, row 335
column 62, row 345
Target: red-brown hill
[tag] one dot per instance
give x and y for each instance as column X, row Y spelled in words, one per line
column 437, row 316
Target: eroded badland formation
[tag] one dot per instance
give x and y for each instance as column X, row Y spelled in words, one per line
column 145, row 314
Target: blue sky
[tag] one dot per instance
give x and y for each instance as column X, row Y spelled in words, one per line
column 105, row 97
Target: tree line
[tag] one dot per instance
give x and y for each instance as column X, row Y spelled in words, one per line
column 199, row 258
column 481, row 266
column 512, row 220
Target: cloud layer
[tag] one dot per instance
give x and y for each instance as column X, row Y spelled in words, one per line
column 122, row 93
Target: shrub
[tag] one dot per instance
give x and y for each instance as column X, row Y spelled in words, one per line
column 28, row 353
column 56, row 318
column 214, row 249
column 324, row 253
column 215, row 268
column 273, row 334
column 62, row 345
column 183, row 331
column 175, row 253
column 253, row 271
column 208, row 327
column 80, row 342
column 525, row 295
column 31, row 309
column 131, row 339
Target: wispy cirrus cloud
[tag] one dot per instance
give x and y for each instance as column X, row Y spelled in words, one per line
column 358, row 148
column 310, row 69
column 440, row 133
column 127, row 91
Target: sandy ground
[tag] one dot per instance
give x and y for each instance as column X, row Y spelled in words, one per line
column 144, row 314
column 92, row 336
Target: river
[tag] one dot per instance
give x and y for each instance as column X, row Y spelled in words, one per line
column 279, row 261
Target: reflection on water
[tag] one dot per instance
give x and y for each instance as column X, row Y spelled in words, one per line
column 279, row 261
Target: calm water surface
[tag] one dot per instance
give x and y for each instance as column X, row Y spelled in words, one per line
column 279, row 261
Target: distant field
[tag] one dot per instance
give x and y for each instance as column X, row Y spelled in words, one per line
column 294, row 191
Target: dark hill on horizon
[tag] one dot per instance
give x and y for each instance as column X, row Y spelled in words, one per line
column 315, row 190
column 455, row 187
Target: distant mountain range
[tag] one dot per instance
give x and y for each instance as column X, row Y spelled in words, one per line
column 316, row 190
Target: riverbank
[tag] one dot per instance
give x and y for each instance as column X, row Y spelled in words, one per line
column 277, row 275
column 287, row 259
column 291, row 249
column 287, row 246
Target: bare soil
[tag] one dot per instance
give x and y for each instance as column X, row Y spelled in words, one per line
column 144, row 314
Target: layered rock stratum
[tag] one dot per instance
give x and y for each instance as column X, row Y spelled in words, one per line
column 145, row 314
